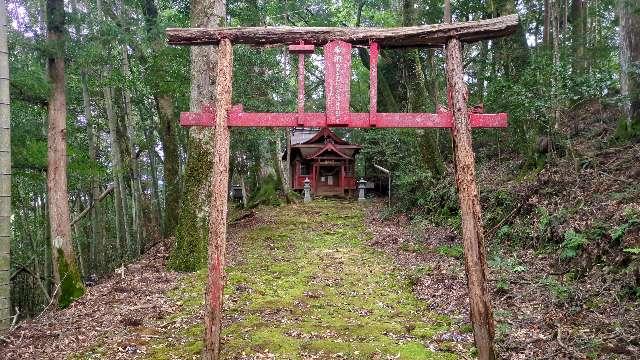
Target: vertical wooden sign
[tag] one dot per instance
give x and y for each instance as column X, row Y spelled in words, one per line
column 337, row 82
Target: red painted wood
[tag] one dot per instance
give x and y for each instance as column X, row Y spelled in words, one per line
column 337, row 82
column 337, row 94
column 373, row 83
column 302, row 49
column 488, row 120
column 238, row 118
column 301, row 83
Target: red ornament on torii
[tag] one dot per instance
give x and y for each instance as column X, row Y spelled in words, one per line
column 337, row 69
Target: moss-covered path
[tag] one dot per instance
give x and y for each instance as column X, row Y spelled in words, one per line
column 306, row 286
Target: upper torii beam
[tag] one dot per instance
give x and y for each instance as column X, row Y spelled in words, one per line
column 337, row 43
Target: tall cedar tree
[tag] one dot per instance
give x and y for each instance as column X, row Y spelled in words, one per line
column 190, row 250
column 165, row 100
column 65, row 271
column 629, row 12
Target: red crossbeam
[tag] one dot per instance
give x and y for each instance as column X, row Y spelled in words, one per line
column 337, row 56
column 239, row 118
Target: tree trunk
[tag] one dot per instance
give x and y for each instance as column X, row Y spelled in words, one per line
column 135, row 184
column 65, row 270
column 546, row 28
column 473, row 236
column 153, row 172
column 555, row 18
column 95, row 250
column 419, row 96
column 218, row 209
column 168, row 123
column 5, row 173
column 116, row 170
column 578, row 25
column 278, row 164
column 190, row 250
column 629, row 13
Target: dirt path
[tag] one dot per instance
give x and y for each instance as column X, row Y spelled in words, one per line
column 303, row 283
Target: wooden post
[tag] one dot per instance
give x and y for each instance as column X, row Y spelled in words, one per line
column 472, row 232
column 218, row 209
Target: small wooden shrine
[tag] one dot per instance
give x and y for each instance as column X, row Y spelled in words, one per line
column 326, row 160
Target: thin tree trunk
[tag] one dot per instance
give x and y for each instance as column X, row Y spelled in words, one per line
column 135, row 184
column 278, row 164
column 5, row 173
column 153, row 171
column 168, row 123
column 116, row 170
column 65, row 270
column 629, row 14
column 433, row 77
column 218, row 209
column 578, row 19
column 96, row 245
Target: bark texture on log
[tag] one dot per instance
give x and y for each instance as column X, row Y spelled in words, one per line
column 435, row 35
column 218, row 210
column 472, row 232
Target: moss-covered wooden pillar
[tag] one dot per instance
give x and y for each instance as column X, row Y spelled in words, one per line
column 5, row 173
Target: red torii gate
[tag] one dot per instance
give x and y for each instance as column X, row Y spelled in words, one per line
column 337, row 44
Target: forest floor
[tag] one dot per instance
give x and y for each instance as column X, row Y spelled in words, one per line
column 303, row 282
column 336, row 280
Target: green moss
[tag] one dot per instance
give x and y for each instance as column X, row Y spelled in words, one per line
column 267, row 193
column 190, row 250
column 71, row 287
column 306, row 284
column 454, row 251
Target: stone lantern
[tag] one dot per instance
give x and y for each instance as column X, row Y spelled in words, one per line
column 362, row 183
column 307, row 190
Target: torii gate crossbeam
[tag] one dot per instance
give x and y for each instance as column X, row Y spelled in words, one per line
column 337, row 44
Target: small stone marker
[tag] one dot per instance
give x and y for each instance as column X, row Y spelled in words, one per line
column 307, row 190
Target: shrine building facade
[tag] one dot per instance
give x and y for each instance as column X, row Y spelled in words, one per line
column 325, row 159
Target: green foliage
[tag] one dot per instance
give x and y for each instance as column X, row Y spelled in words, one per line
column 417, row 273
column 627, row 130
column 454, row 251
column 560, row 292
column 502, row 285
column 266, row 194
column 618, row 232
column 573, row 243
